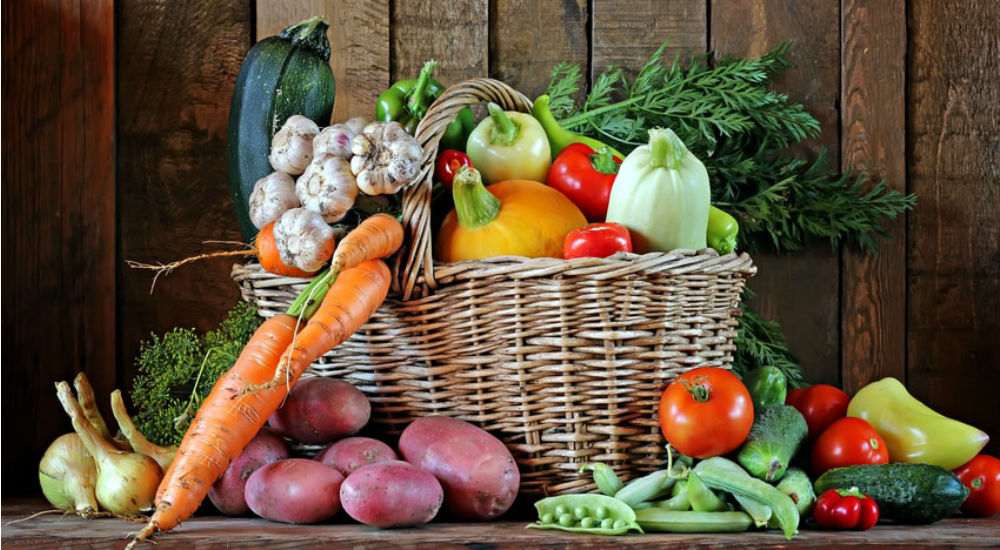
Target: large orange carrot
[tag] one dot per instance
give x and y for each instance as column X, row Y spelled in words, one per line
column 230, row 416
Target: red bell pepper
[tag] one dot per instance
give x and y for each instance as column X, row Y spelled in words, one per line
column 597, row 240
column 585, row 177
column 447, row 163
column 845, row 509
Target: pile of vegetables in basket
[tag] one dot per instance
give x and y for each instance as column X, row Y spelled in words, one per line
column 755, row 455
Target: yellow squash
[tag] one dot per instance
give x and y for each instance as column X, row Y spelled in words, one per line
column 912, row 431
column 510, row 218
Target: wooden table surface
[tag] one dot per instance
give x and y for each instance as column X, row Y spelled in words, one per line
column 56, row 531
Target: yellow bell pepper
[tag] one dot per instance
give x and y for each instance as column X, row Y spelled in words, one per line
column 912, row 431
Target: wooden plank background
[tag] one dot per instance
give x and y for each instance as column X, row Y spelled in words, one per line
column 114, row 149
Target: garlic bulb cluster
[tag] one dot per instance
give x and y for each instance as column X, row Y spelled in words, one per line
column 321, row 174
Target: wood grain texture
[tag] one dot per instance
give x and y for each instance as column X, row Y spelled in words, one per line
column 873, row 307
column 456, row 34
column 801, row 291
column 58, row 218
column 176, row 71
column 528, row 39
column 359, row 45
column 55, row 532
column 954, row 269
column 626, row 33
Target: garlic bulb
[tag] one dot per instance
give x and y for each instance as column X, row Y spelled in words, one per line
column 386, row 158
column 292, row 146
column 272, row 195
column 303, row 239
column 327, row 187
column 336, row 139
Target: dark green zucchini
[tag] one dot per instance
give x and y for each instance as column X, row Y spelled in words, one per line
column 284, row 75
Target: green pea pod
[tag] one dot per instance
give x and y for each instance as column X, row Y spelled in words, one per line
column 605, row 477
column 761, row 513
column 702, row 498
column 669, row 521
column 724, row 474
column 679, row 502
column 654, row 485
column 585, row 513
column 796, row 484
column 722, row 230
column 767, row 386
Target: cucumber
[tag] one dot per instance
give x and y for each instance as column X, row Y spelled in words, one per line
column 906, row 493
column 777, row 433
column 284, row 75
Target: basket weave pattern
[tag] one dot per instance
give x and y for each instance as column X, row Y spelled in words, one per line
column 563, row 360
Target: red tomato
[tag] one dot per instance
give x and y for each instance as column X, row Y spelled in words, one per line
column 706, row 412
column 820, row 404
column 846, row 442
column 982, row 476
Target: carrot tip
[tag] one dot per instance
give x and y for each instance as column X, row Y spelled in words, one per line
column 146, row 532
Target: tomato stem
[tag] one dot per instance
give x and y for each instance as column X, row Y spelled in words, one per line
column 698, row 388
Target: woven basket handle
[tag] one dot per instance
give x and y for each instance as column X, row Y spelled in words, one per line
column 417, row 258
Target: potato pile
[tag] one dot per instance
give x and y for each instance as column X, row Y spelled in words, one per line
column 442, row 462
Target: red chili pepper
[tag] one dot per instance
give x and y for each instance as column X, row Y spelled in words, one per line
column 447, row 163
column 597, row 240
column 585, row 177
column 846, row 509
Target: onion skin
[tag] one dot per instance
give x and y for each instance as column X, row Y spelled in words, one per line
column 68, row 475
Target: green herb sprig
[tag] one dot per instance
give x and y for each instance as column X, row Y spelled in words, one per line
column 177, row 370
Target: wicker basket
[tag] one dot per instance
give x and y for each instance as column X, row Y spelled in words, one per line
column 564, row 360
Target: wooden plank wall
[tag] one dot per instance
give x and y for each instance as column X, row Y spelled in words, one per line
column 114, row 146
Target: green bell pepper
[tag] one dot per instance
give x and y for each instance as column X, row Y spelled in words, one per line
column 722, row 230
column 407, row 102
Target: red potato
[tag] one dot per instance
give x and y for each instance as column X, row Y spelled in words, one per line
column 295, row 490
column 476, row 470
column 391, row 494
column 320, row 410
column 347, row 455
column 227, row 494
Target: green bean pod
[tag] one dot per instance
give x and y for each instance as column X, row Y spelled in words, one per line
column 702, row 498
column 724, row 474
column 585, row 513
column 605, row 477
column 669, row 521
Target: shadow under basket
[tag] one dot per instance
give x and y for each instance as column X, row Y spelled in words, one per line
column 563, row 360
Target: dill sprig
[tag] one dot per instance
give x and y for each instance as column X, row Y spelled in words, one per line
column 177, row 370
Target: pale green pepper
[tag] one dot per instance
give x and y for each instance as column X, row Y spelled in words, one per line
column 508, row 145
column 662, row 195
column 913, row 432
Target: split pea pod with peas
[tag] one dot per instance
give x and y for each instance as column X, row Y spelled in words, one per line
column 585, row 513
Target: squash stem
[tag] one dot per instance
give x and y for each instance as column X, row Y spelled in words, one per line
column 475, row 206
column 665, row 149
column 311, row 35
